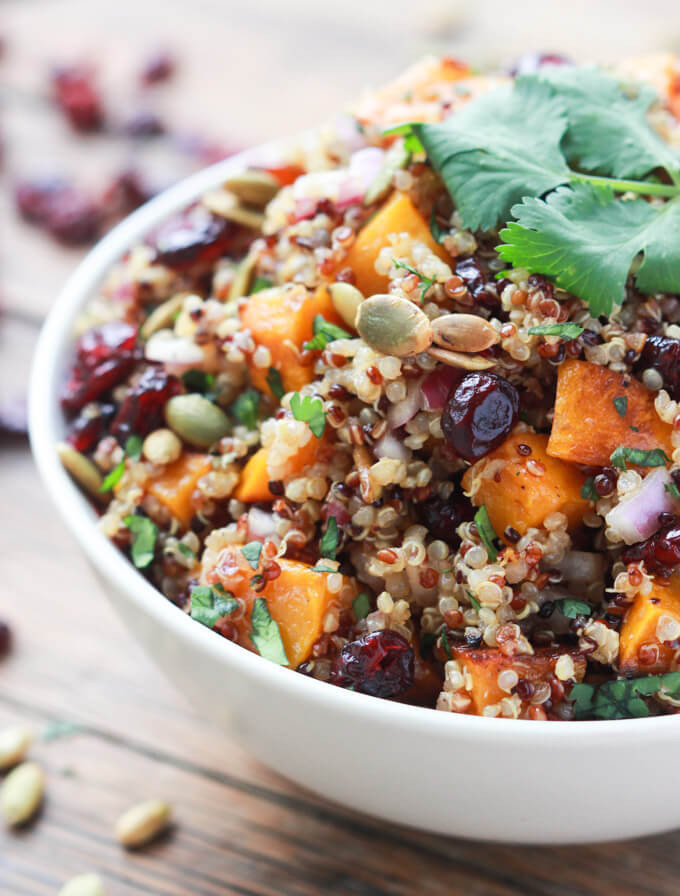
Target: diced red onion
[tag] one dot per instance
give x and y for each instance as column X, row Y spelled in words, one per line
column 437, row 385
column 390, row 446
column 342, row 186
column 346, row 128
column 339, row 511
column 166, row 348
column 261, row 524
column 636, row 517
column 401, row 412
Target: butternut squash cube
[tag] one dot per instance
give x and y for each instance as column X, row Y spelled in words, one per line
column 587, row 427
column 641, row 649
column 177, row 483
column 254, row 483
column 520, row 489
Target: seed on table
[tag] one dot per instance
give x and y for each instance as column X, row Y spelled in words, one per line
column 83, row 885
column 21, row 793
column 196, row 420
column 393, row 325
column 14, row 742
column 346, row 299
column 143, row 822
column 162, row 446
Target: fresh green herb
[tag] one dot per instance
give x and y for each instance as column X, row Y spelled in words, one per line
column 274, row 383
column 446, row 645
column 186, row 551
column 209, row 605
column 328, row 546
column 588, row 490
column 246, row 408
column 251, row 552
column 144, row 542
column 571, row 607
column 474, row 603
column 622, row 699
column 256, row 581
column 486, row 532
column 310, row 411
column 672, row 490
column 654, row 457
column 438, row 232
column 425, row 282
column 133, row 450
column 324, row 332
column 621, row 405
column 635, row 428
column 265, row 634
column 59, row 729
column 412, row 144
column 567, row 330
column 323, row 569
column 361, row 605
column 198, row 381
column 260, row 283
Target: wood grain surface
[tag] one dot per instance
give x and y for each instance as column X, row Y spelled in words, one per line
column 248, row 71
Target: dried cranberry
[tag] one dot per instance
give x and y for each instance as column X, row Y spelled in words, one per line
column 124, row 194
column 480, row 414
column 77, row 96
column 104, row 357
column 442, row 517
column 379, row 664
column 194, row 238
column 90, row 426
column 69, row 215
column 660, row 552
column 158, row 67
column 142, row 408
column 532, row 62
column 471, row 274
column 5, row 638
column 663, row 354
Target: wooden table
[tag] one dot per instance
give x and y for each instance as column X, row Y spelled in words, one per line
column 239, row 828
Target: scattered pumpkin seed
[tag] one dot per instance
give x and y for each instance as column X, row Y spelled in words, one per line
column 460, row 359
column 394, row 326
column 162, row 446
column 143, row 822
column 82, row 470
column 14, row 742
column 464, row 332
column 222, row 202
column 163, row 317
column 346, row 300
column 243, row 277
column 253, row 187
column 83, row 885
column 396, row 157
column 21, row 793
column 196, row 419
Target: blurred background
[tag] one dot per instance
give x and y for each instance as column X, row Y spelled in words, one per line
column 101, row 105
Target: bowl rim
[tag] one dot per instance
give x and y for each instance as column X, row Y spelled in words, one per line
column 45, row 422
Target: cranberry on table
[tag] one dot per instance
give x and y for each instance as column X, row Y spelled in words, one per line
column 105, row 356
column 479, row 414
column 56, row 205
column 142, row 409
column 379, row 664
column 662, row 353
column 441, row 517
column 158, row 67
column 78, row 98
column 5, row 638
column 660, row 552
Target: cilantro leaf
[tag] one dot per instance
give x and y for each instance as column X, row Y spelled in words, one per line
column 608, row 129
column 622, row 699
column 361, row 605
column 588, row 490
column 486, row 532
column 133, row 450
column 653, row 457
column 260, row 283
column 328, row 546
column 571, row 607
column 324, row 332
column 251, row 552
column 425, row 282
column 265, row 633
column 621, row 405
column 186, row 551
column 310, row 411
column 198, row 381
column 587, row 240
column 209, row 605
column 566, row 330
column 246, row 407
column 274, row 383
column 144, row 542
column 496, row 150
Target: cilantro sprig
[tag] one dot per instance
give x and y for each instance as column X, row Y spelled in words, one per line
column 210, row 604
column 328, row 546
column 310, row 411
column 486, row 532
column 425, row 282
column 145, row 533
column 324, row 332
column 622, row 699
column 133, row 450
column 265, row 633
column 246, row 408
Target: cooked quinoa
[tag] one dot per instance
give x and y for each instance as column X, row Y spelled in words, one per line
column 332, row 421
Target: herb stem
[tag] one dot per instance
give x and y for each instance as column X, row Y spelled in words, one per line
column 645, row 187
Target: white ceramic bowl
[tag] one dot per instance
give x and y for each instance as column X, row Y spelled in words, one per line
column 494, row 779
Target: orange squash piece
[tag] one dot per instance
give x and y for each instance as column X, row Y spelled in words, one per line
column 254, row 483
column 515, row 496
column 640, row 650
column 482, row 668
column 176, row 484
column 587, row 427
column 398, row 215
column 282, row 320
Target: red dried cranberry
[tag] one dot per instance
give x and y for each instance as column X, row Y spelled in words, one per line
column 660, row 552
column 104, row 357
column 663, row 354
column 379, row 664
column 194, row 238
column 480, row 414
column 142, row 408
column 483, row 292
column 33, row 197
column 5, row 638
column 77, row 96
column 69, row 215
column 442, row 517
column 124, row 194
column 158, row 67
column 532, row 62
column 89, row 427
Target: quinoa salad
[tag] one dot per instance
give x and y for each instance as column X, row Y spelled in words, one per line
column 400, row 410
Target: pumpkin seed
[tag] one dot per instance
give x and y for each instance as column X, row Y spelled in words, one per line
column 162, row 447
column 196, row 419
column 460, row 359
column 253, row 187
column 240, row 285
column 464, row 332
column 83, row 885
column 396, row 157
column 346, row 300
column 394, row 326
column 224, row 203
column 21, row 793
column 163, row 316
column 82, row 470
column 13, row 745
column 143, row 822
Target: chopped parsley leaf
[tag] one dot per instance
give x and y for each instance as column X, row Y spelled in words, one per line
column 654, row 457
column 246, row 408
column 265, row 633
column 274, row 383
column 588, row 490
column 486, row 532
column 567, row 330
column 621, row 405
column 446, row 645
column 324, row 332
column 672, row 490
column 251, row 552
column 145, row 534
column 260, row 283
column 571, row 607
column 186, row 551
column 199, row 381
column 328, row 546
column 133, row 450
column 310, row 411
column 624, row 698
column 210, row 604
column 361, row 605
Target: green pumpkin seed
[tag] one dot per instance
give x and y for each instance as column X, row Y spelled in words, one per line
column 253, row 187
column 394, row 326
column 196, row 420
column 14, row 742
column 143, row 822
column 346, row 300
column 21, row 793
column 162, row 317
column 83, row 471
column 460, row 359
column 396, row 157
column 464, row 332
column 224, row 203
column 83, row 885
column 240, row 285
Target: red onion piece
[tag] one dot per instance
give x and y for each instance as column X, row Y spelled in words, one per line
column 390, row 446
column 437, row 386
column 401, row 412
column 261, row 524
column 637, row 517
